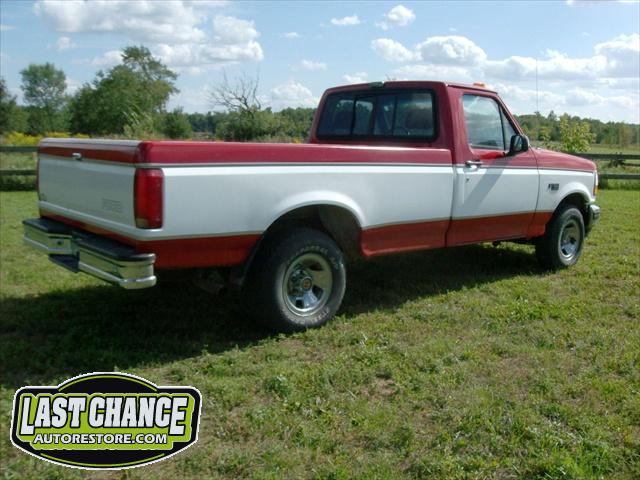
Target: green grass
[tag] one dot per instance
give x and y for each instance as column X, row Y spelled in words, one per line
column 17, row 161
column 461, row 363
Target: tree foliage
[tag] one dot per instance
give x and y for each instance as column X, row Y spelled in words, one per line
column 140, row 86
column 12, row 117
column 574, row 135
column 176, row 125
column 547, row 129
column 44, row 89
column 246, row 119
column 239, row 96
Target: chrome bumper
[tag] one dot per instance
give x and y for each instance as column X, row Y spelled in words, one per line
column 594, row 215
column 100, row 257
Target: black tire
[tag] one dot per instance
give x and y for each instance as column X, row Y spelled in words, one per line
column 302, row 256
column 561, row 245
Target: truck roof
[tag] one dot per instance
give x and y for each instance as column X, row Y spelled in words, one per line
column 406, row 84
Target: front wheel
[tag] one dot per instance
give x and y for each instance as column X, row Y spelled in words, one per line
column 561, row 245
column 297, row 281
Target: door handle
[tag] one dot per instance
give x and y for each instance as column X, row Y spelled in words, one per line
column 473, row 163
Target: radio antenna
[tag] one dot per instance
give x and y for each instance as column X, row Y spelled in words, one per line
column 537, row 96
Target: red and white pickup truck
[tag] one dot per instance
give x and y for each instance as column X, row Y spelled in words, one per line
column 390, row 167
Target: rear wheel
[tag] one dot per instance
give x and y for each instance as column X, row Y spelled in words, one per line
column 561, row 245
column 297, row 281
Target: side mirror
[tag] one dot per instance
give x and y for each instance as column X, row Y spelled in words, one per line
column 519, row 144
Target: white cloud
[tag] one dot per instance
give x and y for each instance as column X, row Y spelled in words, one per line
column 393, row 51
column 359, row 77
column 622, row 54
column 346, row 21
column 73, row 85
column 192, row 99
column 5, row 28
column 63, row 43
column 434, row 72
column 145, row 20
column 233, row 40
column 292, row 94
column 108, row 59
column 451, row 50
column 311, row 65
column 231, row 30
column 398, row 16
column 616, row 58
column 514, row 93
column 291, row 35
column 177, row 30
column 441, row 50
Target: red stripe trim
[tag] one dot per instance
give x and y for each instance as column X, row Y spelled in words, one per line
column 465, row 231
column 95, row 151
column 182, row 252
column 539, row 224
column 166, row 152
column 404, row 237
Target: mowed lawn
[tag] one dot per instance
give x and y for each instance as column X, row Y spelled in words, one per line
column 461, row 363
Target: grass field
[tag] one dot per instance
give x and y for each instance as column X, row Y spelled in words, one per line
column 464, row 363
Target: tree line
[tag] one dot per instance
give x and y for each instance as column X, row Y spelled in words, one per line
column 130, row 100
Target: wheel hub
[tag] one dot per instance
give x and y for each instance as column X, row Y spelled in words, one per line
column 570, row 240
column 307, row 284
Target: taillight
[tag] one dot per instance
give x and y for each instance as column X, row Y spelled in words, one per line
column 38, row 175
column 148, row 189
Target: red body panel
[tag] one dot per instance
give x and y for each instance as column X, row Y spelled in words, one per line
column 558, row 160
column 98, row 151
column 403, row 237
column 181, row 252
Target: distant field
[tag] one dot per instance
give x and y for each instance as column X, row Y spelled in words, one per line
column 463, row 363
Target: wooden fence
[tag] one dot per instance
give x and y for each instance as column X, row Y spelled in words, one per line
column 614, row 159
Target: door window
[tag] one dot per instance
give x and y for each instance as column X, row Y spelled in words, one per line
column 487, row 125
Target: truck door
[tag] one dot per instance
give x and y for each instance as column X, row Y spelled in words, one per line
column 495, row 195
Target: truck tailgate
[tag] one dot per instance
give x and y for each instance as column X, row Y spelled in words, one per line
column 88, row 180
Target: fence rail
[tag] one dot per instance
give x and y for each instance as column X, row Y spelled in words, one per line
column 19, row 149
column 619, row 157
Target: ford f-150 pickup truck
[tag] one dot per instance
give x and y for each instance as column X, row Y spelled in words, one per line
column 390, row 167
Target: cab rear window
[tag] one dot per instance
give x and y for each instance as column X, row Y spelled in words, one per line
column 401, row 115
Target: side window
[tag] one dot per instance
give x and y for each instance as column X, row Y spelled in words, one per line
column 364, row 110
column 384, row 115
column 484, row 122
column 507, row 129
column 414, row 115
column 337, row 115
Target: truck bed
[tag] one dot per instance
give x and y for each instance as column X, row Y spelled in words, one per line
column 219, row 197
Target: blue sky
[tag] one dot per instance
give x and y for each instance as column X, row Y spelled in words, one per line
column 588, row 53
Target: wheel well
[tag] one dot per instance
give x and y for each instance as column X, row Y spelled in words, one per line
column 337, row 222
column 579, row 201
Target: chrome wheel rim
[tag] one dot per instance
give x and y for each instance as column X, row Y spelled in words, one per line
column 570, row 240
column 307, row 284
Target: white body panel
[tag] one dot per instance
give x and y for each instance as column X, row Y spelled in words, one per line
column 203, row 201
column 483, row 192
column 101, row 192
column 219, row 200
column 569, row 181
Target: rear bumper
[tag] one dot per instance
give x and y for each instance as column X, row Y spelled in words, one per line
column 594, row 215
column 100, row 257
